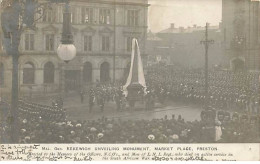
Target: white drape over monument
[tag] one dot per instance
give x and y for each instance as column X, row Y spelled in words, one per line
column 136, row 73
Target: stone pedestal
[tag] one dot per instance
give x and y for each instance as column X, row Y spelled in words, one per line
column 133, row 94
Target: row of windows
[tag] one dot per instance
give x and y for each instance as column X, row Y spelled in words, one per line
column 29, row 42
column 87, row 16
column 49, row 73
column 88, row 43
column 29, row 69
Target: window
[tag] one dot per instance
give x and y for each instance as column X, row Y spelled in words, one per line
column 129, row 44
column 87, row 15
column 104, row 16
column 87, row 43
column 73, row 11
column 104, row 72
column 49, row 16
column 105, row 43
column 29, row 42
column 49, row 42
column 87, row 72
column 132, row 17
column 28, row 73
column 2, row 75
column 48, row 75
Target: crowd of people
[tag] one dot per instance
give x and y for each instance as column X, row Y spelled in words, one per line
column 30, row 110
column 237, row 91
column 231, row 114
column 104, row 93
column 227, row 90
column 234, row 128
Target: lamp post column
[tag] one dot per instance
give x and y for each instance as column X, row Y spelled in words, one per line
column 14, row 103
column 206, row 43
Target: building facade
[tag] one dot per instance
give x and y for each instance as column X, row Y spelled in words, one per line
column 102, row 31
column 181, row 46
column 241, row 33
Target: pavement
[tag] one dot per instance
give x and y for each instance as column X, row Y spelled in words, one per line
column 80, row 111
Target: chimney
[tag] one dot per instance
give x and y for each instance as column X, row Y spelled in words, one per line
column 172, row 25
column 181, row 29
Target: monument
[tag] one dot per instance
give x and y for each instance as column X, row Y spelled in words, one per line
column 135, row 84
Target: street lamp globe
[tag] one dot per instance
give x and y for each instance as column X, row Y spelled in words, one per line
column 66, row 52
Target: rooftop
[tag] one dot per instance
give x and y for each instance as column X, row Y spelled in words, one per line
column 195, row 28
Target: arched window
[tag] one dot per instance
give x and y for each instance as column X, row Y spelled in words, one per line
column 2, row 75
column 104, row 72
column 87, row 72
column 48, row 72
column 28, row 73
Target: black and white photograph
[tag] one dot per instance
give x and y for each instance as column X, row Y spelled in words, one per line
column 129, row 71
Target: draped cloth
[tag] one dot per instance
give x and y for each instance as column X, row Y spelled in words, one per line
column 136, row 73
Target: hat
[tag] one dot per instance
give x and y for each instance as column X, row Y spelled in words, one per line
column 93, row 129
column 27, row 138
column 151, row 137
column 61, row 138
column 100, row 135
column 78, row 125
column 175, row 137
column 23, row 130
column 25, row 121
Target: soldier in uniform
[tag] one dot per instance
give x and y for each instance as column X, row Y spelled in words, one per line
column 118, row 101
column 235, row 117
column 81, row 96
column 102, row 99
column 203, row 115
column 91, row 100
column 148, row 98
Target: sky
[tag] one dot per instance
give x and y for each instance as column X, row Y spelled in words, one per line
column 183, row 13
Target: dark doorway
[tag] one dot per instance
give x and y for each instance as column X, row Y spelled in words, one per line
column 238, row 65
column 28, row 73
column 104, row 72
column 48, row 73
column 87, row 72
column 72, row 80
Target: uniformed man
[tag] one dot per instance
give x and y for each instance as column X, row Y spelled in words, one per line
column 91, row 100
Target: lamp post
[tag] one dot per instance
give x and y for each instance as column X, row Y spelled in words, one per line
column 12, row 30
column 15, row 15
column 206, row 43
column 66, row 50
